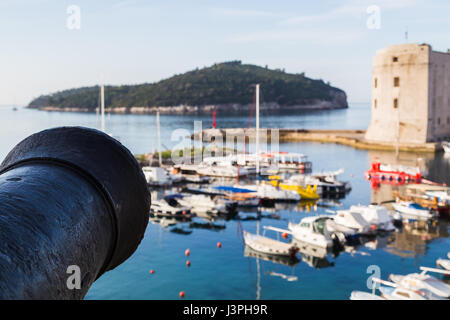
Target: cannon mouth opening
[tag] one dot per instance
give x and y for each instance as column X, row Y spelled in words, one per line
column 108, row 166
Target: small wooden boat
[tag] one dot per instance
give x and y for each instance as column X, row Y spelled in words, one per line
column 269, row 246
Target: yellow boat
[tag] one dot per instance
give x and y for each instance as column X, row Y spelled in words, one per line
column 306, row 193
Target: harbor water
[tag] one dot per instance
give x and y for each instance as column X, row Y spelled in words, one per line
column 232, row 272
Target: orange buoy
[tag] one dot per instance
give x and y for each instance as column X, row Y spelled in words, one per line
column 219, row 245
column 284, row 235
column 181, row 294
column 188, row 263
column 373, row 227
column 187, row 252
column 152, row 271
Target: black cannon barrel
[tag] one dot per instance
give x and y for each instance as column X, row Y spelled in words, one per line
column 69, row 196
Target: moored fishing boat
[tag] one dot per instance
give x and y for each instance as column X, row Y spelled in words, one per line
column 413, row 211
column 393, row 173
column 269, row 246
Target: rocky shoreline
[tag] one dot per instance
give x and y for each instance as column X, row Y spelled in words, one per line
column 339, row 102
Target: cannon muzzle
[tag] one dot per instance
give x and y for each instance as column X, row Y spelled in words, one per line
column 72, row 200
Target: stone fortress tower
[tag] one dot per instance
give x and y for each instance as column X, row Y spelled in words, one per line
column 410, row 95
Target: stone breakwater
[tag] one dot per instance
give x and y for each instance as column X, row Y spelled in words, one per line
column 353, row 138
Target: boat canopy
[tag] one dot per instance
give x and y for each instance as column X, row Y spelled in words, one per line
column 233, row 189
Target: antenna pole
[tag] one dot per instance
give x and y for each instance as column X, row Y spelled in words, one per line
column 257, row 130
column 158, row 132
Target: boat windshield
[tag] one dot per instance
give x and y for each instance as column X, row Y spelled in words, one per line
column 319, row 226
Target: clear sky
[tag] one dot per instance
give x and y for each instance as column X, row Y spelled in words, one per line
column 136, row 41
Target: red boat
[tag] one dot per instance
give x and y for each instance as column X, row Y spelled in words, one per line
column 394, row 174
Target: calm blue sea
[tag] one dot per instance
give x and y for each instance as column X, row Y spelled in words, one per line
column 227, row 273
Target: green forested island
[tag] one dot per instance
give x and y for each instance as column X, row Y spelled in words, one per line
column 227, row 87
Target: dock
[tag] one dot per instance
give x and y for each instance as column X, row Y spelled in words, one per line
column 353, row 138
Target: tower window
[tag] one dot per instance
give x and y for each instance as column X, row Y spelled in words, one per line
column 395, row 103
column 439, row 121
column 375, row 103
column 375, row 83
column 394, row 59
column 396, row 82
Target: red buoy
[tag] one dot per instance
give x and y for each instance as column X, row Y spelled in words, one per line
column 219, row 245
column 181, row 294
column 188, row 263
column 152, row 271
column 284, row 235
column 187, row 252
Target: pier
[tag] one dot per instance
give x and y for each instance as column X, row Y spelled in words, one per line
column 353, row 138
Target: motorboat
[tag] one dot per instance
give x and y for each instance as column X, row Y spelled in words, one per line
column 157, row 176
column 269, row 192
column 313, row 230
column 444, row 263
column 169, row 207
column 421, row 281
column 443, row 196
column 362, row 295
column 375, row 215
column 309, row 192
column 326, row 182
column 278, row 161
column 314, row 256
column 204, row 204
column 412, row 210
column 353, row 220
column 393, row 291
column 446, row 146
column 221, row 167
column 400, row 293
column 269, row 246
column 189, row 173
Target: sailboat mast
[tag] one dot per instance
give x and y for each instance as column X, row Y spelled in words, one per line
column 257, row 130
column 158, row 133
column 102, row 105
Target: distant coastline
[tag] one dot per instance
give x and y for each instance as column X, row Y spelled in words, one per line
column 231, row 108
column 227, row 88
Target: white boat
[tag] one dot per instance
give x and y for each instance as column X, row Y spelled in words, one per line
column 399, row 293
column 276, row 161
column 157, row 176
column 362, row 295
column 313, row 230
column 189, row 173
column 269, row 246
column 375, row 215
column 353, row 220
column 442, row 196
column 162, row 208
column 444, row 263
column 421, row 281
column 221, row 167
column 411, row 210
column 269, row 192
column 204, row 204
column 394, row 291
column 326, row 182
column 446, row 146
